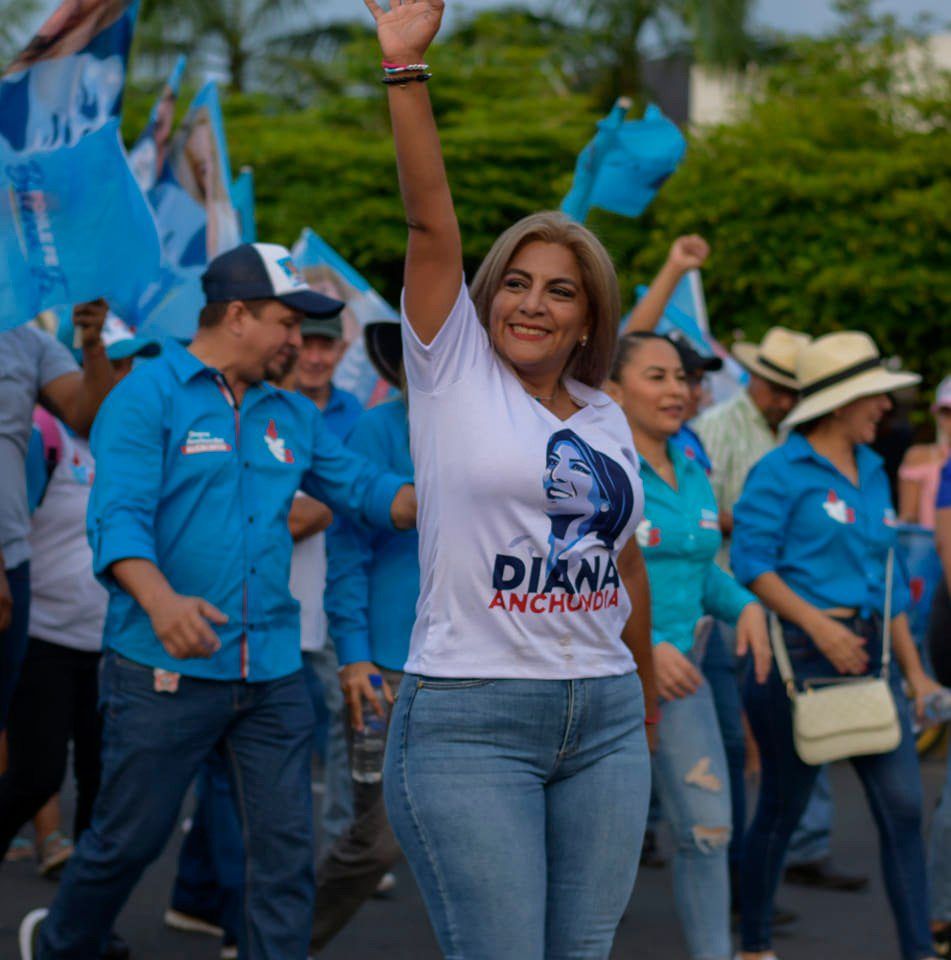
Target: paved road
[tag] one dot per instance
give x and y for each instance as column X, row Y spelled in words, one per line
column 834, row 926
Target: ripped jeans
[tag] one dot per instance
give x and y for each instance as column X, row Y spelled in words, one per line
column 692, row 781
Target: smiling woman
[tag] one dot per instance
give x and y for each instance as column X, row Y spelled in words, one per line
column 532, row 623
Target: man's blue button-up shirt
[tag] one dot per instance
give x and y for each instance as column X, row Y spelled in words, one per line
column 373, row 575
column 203, row 489
column 679, row 537
column 825, row 537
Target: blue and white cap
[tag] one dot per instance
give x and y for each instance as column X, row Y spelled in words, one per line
column 120, row 342
column 264, row 271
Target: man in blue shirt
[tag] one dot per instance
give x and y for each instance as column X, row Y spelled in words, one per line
column 198, row 460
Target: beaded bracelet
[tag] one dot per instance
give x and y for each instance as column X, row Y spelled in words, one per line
column 401, row 81
column 391, row 69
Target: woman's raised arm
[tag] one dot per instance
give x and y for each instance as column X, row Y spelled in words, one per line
column 433, row 270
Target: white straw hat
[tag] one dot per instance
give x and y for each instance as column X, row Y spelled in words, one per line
column 773, row 359
column 838, row 368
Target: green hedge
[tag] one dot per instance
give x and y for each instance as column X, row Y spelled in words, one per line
column 828, row 207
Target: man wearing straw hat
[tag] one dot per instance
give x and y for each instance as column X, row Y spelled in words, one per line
column 739, row 431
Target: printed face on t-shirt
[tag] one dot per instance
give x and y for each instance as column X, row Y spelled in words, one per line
column 586, row 492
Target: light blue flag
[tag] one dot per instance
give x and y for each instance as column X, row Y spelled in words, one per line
column 625, row 164
column 242, row 197
column 74, row 224
column 195, row 216
column 327, row 272
column 147, row 156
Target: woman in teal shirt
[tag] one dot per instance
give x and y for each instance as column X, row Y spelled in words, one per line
column 680, row 537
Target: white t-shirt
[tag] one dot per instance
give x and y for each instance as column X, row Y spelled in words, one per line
column 521, row 517
column 67, row 603
column 307, row 583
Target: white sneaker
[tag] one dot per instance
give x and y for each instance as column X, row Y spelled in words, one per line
column 191, row 924
column 30, row 932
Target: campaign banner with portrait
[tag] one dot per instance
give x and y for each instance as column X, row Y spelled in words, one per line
column 242, row 196
column 148, row 153
column 195, row 216
column 74, row 224
column 328, row 273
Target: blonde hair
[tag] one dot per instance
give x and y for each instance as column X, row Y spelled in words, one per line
column 589, row 364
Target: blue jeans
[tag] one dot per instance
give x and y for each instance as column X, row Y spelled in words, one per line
column 330, row 742
column 720, row 671
column 14, row 640
column 209, row 882
column 892, row 786
column 692, row 782
column 939, row 854
column 812, row 840
column 153, row 746
column 520, row 805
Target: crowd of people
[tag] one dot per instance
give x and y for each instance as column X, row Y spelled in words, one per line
column 585, row 600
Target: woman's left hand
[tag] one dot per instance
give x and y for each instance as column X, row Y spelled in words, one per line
column 752, row 636
column 922, row 686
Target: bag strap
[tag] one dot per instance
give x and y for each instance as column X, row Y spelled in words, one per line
column 781, row 654
column 887, row 613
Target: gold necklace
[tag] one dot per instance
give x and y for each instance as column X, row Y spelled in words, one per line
column 540, row 399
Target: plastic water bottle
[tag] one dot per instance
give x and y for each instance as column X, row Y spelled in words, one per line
column 369, row 743
column 938, row 706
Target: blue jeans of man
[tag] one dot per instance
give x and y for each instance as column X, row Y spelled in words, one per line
column 691, row 778
column 153, row 746
column 939, row 854
column 719, row 668
column 520, row 805
column 892, row 785
column 330, row 742
column 209, row 882
column 14, row 640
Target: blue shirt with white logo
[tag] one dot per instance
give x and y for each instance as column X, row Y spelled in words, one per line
column 679, row 537
column 203, row 489
column 825, row 537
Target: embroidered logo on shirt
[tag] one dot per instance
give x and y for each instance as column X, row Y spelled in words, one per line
column 276, row 445
column 838, row 509
column 890, row 518
column 82, row 474
column 201, row 441
column 709, row 519
column 647, row 534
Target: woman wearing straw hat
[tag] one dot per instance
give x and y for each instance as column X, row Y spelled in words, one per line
column 813, row 531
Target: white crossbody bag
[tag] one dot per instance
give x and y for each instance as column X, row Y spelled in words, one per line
column 842, row 717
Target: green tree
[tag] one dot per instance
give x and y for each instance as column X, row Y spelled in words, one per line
column 829, row 205
column 244, row 39
column 606, row 54
column 17, row 17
